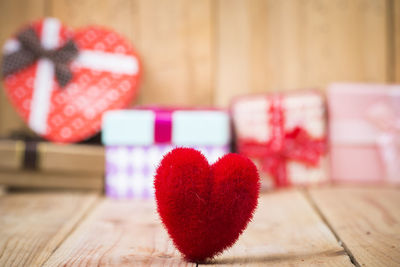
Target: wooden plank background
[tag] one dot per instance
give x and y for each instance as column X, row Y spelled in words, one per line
column 368, row 227
column 204, row 52
column 320, row 226
column 33, row 225
column 126, row 233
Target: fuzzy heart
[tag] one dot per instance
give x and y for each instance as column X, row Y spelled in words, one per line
column 205, row 208
column 105, row 76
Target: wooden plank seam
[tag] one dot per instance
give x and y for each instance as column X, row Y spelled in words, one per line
column 314, row 205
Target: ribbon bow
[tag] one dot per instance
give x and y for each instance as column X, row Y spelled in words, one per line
column 295, row 145
column 31, row 50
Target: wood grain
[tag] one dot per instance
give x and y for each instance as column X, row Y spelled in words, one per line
column 3, row 190
column 114, row 14
column 366, row 220
column 176, row 45
column 118, row 233
column 232, row 47
column 286, row 231
column 51, row 180
column 58, row 166
column 78, row 159
column 11, row 154
column 285, row 45
column 55, row 158
column 33, row 225
column 289, row 229
column 13, row 14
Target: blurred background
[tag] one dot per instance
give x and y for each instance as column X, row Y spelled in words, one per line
column 202, row 53
column 205, row 52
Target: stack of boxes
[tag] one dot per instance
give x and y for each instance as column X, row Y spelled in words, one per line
column 137, row 139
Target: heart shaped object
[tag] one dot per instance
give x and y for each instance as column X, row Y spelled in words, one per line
column 105, row 75
column 205, row 208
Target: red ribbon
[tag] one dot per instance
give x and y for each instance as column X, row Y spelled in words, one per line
column 295, row 145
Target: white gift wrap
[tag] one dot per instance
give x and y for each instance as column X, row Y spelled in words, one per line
column 189, row 127
column 251, row 120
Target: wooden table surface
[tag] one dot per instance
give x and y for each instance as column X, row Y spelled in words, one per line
column 337, row 226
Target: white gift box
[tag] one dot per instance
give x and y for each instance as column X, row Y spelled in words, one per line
column 284, row 134
column 136, row 140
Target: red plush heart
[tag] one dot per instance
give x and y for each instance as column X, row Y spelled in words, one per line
column 205, row 208
column 100, row 82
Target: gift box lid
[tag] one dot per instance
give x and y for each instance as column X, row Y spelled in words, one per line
column 182, row 127
column 251, row 114
column 360, row 113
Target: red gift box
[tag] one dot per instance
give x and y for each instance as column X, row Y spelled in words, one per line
column 61, row 80
column 285, row 135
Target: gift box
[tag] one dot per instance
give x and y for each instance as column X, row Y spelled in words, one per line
column 61, row 81
column 364, row 132
column 44, row 165
column 137, row 139
column 285, row 135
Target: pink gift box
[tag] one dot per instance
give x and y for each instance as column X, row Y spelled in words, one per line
column 364, row 132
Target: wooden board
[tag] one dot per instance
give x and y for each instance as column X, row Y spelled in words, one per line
column 56, row 158
column 3, row 190
column 81, row 159
column 51, row 180
column 366, row 220
column 286, row 231
column 176, row 42
column 233, row 47
column 57, row 167
column 284, row 45
column 11, row 155
column 114, row 14
column 118, row 233
column 318, row 227
column 33, row 225
column 129, row 233
column 13, row 14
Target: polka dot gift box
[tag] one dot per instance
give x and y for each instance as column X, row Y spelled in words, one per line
column 61, row 80
column 137, row 139
column 285, row 136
